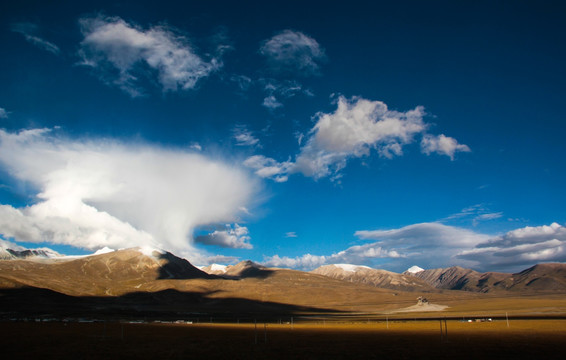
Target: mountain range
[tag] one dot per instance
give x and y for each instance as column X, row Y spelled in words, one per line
column 541, row 277
column 137, row 281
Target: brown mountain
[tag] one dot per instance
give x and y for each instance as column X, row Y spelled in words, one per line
column 375, row 277
column 136, row 282
column 43, row 253
column 243, row 269
column 551, row 276
column 542, row 277
column 113, row 273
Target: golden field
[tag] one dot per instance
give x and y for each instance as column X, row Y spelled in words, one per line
column 523, row 339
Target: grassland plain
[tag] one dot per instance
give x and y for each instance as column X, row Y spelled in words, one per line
column 521, row 339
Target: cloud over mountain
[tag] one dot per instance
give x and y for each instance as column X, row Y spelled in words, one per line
column 429, row 244
column 93, row 193
column 521, row 247
column 435, row 245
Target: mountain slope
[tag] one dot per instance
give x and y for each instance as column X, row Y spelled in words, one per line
column 542, row 277
column 42, row 253
column 138, row 281
column 113, row 273
column 551, row 276
column 375, row 277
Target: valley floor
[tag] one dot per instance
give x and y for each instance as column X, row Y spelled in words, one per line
column 518, row 339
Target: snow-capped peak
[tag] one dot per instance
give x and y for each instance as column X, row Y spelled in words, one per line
column 148, row 251
column 104, row 250
column 351, row 267
column 218, row 267
column 414, row 269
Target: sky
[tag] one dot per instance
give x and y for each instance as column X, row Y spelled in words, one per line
column 292, row 133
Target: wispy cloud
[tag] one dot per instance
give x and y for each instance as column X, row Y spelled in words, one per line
column 93, row 193
column 243, row 82
column 291, row 234
column 3, row 113
column 476, row 213
column 271, row 102
column 120, row 53
column 353, row 130
column 293, row 52
column 236, row 237
column 29, row 31
column 269, row 168
column 244, row 137
column 276, row 91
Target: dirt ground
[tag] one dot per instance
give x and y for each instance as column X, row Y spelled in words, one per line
column 523, row 339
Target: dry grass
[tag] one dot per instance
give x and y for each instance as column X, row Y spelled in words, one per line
column 354, row 340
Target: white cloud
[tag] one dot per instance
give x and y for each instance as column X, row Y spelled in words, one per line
column 221, row 259
column 195, row 146
column 521, row 247
column 353, row 130
column 28, row 30
column 271, row 102
column 269, row 168
column 434, row 245
column 291, row 234
column 442, row 145
column 357, row 126
column 3, row 113
column 244, row 137
column 430, row 245
column 233, row 237
column 101, row 192
column 293, row 52
column 359, row 254
column 306, row 261
column 121, row 53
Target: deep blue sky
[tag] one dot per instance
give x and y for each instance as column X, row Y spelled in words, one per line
column 490, row 77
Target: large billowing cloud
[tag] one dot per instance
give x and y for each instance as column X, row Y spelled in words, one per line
column 123, row 54
column 293, row 52
column 521, row 247
column 101, row 192
column 357, row 127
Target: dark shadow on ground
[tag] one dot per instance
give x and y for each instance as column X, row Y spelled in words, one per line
column 30, row 302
